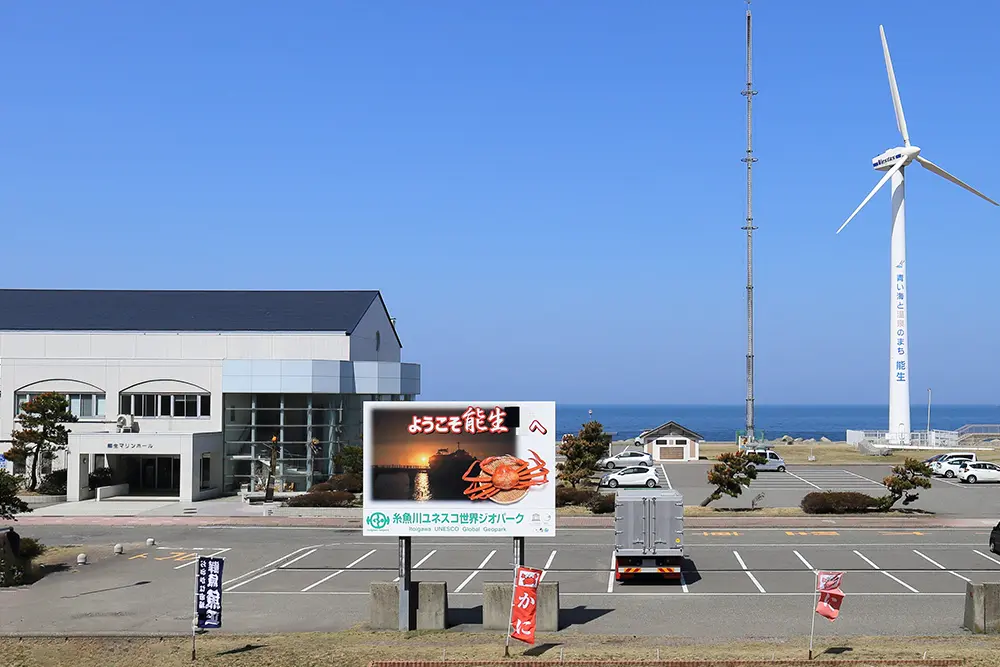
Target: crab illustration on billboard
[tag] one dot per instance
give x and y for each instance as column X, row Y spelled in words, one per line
column 461, row 468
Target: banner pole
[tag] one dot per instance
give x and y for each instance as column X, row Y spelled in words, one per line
column 812, row 630
column 510, row 613
column 194, row 619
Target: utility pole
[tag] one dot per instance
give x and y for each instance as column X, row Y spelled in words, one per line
column 749, row 160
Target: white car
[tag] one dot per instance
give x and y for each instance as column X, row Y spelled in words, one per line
column 636, row 476
column 626, row 459
column 980, row 471
column 950, row 465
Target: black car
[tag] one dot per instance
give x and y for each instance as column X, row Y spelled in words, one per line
column 995, row 538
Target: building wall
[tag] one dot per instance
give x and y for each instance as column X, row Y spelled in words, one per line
column 374, row 339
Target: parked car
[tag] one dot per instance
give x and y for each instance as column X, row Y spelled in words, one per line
column 948, row 465
column 772, row 462
column 635, row 476
column 626, row 459
column 995, row 538
column 979, row 471
column 936, row 457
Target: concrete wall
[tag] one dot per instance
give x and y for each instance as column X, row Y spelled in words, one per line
column 105, row 492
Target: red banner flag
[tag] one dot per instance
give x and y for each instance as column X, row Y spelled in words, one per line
column 828, row 581
column 829, row 603
column 522, row 610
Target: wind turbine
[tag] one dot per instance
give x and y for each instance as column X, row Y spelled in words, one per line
column 893, row 162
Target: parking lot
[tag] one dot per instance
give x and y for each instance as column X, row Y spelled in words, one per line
column 287, row 579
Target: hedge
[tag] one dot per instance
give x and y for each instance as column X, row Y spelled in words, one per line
column 839, row 502
column 54, row 484
column 567, row 495
column 346, row 482
column 323, row 499
column 602, row 503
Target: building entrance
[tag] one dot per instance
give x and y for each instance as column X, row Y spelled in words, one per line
column 154, row 475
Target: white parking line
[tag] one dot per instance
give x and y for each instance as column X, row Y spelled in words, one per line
column 684, row 585
column 545, row 570
column 664, row 594
column 331, row 576
column 232, row 582
column 247, row 581
column 663, row 469
column 475, row 572
column 611, row 574
column 940, row 566
column 420, row 562
column 804, row 561
column 192, row 562
column 749, row 573
column 876, row 567
column 867, row 479
column 803, row 480
column 987, row 557
column 298, row 558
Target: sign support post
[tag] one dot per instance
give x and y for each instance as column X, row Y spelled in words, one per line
column 812, row 630
column 518, row 552
column 194, row 619
column 405, row 583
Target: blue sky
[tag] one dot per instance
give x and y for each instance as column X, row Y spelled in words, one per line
column 549, row 194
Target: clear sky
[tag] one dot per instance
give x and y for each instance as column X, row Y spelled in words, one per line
column 549, row 194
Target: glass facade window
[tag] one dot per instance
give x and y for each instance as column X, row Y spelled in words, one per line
column 84, row 406
column 309, row 429
column 166, row 405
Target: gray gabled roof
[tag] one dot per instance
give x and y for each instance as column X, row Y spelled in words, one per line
column 183, row 310
column 665, row 429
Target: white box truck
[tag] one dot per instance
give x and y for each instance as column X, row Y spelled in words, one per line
column 649, row 533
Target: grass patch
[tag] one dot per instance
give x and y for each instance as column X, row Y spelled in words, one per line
column 357, row 649
column 839, row 453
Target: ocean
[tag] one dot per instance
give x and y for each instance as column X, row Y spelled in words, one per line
column 719, row 423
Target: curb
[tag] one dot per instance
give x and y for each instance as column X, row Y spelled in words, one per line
column 730, row 522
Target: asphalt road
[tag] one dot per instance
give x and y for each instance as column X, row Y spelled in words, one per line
column 946, row 497
column 287, row 579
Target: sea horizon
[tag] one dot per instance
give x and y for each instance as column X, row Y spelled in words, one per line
column 720, row 422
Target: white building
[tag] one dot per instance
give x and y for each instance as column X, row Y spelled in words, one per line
column 202, row 380
column 671, row 442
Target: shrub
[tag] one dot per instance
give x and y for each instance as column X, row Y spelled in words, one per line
column 100, row 477
column 30, row 548
column 602, row 503
column 566, row 495
column 350, row 459
column 322, row 486
column 323, row 499
column 54, row 484
column 838, row 502
column 349, row 482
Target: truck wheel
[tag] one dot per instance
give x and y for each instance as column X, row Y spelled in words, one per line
column 612, row 483
column 993, row 546
column 650, row 483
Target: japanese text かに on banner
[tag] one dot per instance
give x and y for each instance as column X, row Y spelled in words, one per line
column 830, row 595
column 208, row 599
column 522, row 611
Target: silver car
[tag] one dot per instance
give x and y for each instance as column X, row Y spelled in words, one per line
column 626, row 459
column 772, row 462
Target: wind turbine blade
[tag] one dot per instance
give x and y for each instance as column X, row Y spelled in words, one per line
column 885, row 178
column 900, row 119
column 930, row 166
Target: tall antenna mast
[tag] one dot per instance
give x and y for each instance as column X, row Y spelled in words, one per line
column 749, row 160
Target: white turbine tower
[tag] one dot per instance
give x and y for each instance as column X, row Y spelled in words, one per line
column 893, row 163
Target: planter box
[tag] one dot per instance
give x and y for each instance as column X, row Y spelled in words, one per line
column 34, row 502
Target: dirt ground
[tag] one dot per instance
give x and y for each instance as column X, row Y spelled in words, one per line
column 356, row 649
column 838, row 453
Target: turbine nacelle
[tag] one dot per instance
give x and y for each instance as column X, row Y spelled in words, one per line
column 888, row 159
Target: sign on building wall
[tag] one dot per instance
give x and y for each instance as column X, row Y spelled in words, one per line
column 453, row 468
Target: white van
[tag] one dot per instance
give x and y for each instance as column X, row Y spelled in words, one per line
column 949, row 464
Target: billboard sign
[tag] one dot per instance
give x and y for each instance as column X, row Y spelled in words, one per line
column 459, row 468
